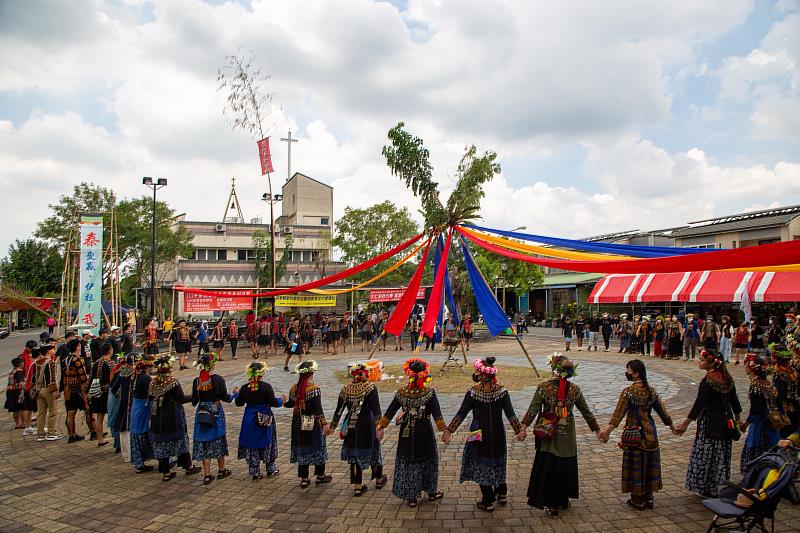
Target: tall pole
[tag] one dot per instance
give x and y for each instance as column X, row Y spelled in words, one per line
column 153, row 261
column 272, row 233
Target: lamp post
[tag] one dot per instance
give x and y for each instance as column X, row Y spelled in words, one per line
column 271, row 199
column 521, row 228
column 504, row 266
column 154, row 185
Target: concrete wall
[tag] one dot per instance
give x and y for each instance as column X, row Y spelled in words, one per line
column 307, row 202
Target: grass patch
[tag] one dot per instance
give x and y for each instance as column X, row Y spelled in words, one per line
column 512, row 377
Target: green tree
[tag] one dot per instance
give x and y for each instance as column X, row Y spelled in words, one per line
column 34, row 267
column 262, row 251
column 365, row 233
column 66, row 213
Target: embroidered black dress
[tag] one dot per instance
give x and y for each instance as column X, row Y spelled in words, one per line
column 210, row 441
column 121, row 389
column 554, row 476
column 761, row 436
column 308, row 447
column 710, row 460
column 786, row 382
column 416, row 468
column 258, row 443
column 484, row 461
column 102, row 372
column 168, row 423
column 360, row 445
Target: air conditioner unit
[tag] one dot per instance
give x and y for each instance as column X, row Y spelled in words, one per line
column 288, row 229
column 220, row 228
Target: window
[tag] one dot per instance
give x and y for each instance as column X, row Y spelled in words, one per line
column 200, row 254
column 222, row 255
column 324, row 221
column 703, row 246
column 241, row 255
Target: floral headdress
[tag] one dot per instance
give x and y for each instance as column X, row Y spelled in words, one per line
column 780, row 354
column 755, row 362
column 305, row 370
column 164, row 364
column 205, row 363
column 418, row 372
column 143, row 362
column 254, row 372
column 715, row 357
column 359, row 371
column 485, row 367
column 793, row 343
column 561, row 365
column 306, row 367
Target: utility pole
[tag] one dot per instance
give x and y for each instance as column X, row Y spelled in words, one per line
column 288, row 140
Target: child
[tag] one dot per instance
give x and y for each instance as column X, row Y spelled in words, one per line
column 14, row 391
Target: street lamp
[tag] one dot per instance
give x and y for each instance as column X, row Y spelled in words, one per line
column 504, row 267
column 272, row 199
column 155, row 185
column 521, row 228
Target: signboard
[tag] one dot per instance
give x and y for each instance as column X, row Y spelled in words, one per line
column 91, row 273
column 200, row 303
column 264, row 156
column 392, row 295
column 294, row 300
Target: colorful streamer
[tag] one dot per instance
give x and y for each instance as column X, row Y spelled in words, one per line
column 435, row 301
column 493, row 315
column 448, row 291
column 398, row 318
column 751, row 258
column 318, row 283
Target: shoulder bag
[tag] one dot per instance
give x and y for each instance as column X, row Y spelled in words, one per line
column 545, row 426
column 205, row 417
column 264, row 420
column 632, row 436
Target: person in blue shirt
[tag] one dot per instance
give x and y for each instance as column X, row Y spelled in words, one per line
column 691, row 336
column 202, row 338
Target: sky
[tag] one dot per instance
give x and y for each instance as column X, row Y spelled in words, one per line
column 606, row 116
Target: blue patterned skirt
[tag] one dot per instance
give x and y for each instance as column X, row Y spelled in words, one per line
column 310, row 457
column 365, row 458
column 761, row 436
column 412, row 479
column 141, row 449
column 473, row 469
column 175, row 447
column 256, row 456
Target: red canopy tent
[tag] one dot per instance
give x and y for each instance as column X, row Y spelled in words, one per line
column 708, row 286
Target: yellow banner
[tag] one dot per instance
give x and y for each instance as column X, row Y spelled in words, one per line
column 294, row 300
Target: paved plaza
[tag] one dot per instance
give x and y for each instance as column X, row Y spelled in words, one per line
column 57, row 486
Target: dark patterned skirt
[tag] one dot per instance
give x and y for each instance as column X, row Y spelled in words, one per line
column 554, row 480
column 171, row 448
column 13, row 402
column 213, row 449
column 256, row 456
column 482, row 474
column 709, row 463
column 641, row 471
column 412, row 479
column 306, row 456
column 761, row 436
column 141, row 449
column 363, row 458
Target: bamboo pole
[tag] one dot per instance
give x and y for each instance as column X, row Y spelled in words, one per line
column 64, row 275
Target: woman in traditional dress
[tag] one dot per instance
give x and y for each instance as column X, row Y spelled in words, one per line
column 786, row 383
column 218, row 339
column 121, row 396
column 113, row 402
column 182, row 337
column 73, row 385
column 361, row 448
column 294, row 344
column 554, row 476
column 139, row 436
column 761, row 436
column 210, row 432
column 717, row 411
column 309, row 426
column 416, row 468
column 484, row 459
column 98, row 396
column 674, row 339
column 641, row 462
column 168, row 423
column 258, row 438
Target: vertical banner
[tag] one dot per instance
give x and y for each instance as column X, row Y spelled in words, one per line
column 91, row 278
column 264, row 156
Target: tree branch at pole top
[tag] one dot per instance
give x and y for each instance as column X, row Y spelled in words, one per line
column 781, row 256
column 313, row 284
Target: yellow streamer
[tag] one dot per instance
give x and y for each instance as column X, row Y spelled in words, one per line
column 376, row 278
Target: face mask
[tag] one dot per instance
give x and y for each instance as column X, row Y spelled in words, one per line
column 770, row 321
column 629, row 377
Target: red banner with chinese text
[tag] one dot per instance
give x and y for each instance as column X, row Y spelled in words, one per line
column 392, row 295
column 230, row 301
column 264, row 156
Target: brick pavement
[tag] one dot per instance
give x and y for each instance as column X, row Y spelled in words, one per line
column 79, row 487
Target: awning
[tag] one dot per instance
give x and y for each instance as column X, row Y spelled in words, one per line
column 719, row 286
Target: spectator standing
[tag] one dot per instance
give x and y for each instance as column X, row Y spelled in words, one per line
column 580, row 324
column 691, row 336
column 710, row 334
column 594, row 332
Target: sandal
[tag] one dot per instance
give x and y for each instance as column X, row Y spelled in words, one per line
column 193, row 470
column 438, row 495
column 489, row 508
column 207, row 480
column 637, row 506
column 169, row 476
column 304, row 483
column 358, row 492
column 259, row 476
column 412, row 503
column 222, row 474
column 323, row 479
column 379, row 483
column 273, row 473
column 502, row 500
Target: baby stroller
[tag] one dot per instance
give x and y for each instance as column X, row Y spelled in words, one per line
column 745, row 507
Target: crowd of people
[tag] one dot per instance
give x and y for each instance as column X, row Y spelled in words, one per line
column 141, row 403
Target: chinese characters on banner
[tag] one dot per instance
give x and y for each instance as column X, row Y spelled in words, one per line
column 295, row 300
column 91, row 277
column 199, row 303
column 392, row 295
column 264, row 156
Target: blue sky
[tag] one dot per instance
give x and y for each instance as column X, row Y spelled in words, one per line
column 605, row 116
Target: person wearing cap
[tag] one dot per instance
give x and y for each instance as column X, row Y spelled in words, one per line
column 121, row 391
column 717, row 411
column 116, row 340
column 309, row 426
column 74, row 385
column 127, row 339
column 168, row 432
column 361, row 448
column 258, row 437
column 416, row 468
column 210, row 439
column 45, row 389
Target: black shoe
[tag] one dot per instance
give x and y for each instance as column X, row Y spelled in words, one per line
column 92, row 435
column 488, row 507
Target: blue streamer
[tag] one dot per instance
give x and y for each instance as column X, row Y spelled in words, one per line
column 448, row 287
column 633, row 250
column 493, row 315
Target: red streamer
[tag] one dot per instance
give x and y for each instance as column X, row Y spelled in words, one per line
column 765, row 255
column 313, row 284
column 435, row 301
column 399, row 317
